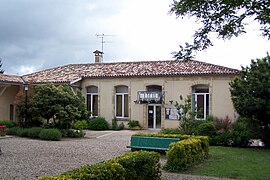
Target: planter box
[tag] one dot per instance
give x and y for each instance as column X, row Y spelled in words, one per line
column 3, row 130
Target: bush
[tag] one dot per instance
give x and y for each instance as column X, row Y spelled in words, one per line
column 22, row 132
column 132, row 166
column 98, row 123
column 50, row 134
column 107, row 170
column 117, row 127
column 8, row 124
column 81, row 124
column 140, row 165
column 34, row 132
column 241, row 133
column 185, row 153
column 133, row 123
column 12, row 131
column 206, row 129
column 170, row 131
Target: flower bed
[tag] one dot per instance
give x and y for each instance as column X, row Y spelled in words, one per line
column 3, row 130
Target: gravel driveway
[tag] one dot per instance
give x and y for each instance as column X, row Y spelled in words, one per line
column 24, row 158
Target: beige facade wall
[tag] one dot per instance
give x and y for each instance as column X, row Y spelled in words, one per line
column 7, row 95
column 219, row 95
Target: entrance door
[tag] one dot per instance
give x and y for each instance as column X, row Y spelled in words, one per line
column 154, row 116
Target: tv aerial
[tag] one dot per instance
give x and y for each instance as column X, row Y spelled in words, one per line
column 102, row 37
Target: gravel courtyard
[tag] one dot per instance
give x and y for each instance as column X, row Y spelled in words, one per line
column 24, row 158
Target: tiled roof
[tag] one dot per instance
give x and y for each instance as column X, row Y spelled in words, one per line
column 10, row 79
column 72, row 72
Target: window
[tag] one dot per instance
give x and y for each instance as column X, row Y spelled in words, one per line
column 92, row 100
column 200, row 101
column 121, row 101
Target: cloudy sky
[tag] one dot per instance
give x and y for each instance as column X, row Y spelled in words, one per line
column 40, row 34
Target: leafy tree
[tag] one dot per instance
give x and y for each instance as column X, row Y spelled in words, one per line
column 60, row 104
column 186, row 115
column 251, row 95
column 1, row 70
column 224, row 18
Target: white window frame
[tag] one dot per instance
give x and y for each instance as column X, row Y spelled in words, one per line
column 204, row 105
column 92, row 102
column 123, row 105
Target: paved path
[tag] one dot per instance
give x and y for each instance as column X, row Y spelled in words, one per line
column 24, row 158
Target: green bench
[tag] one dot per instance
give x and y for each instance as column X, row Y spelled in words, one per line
column 151, row 143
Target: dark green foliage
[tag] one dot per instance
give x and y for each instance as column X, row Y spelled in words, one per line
column 12, row 131
column 225, row 19
column 8, row 124
column 98, row 123
column 72, row 133
column 133, row 123
column 242, row 133
column 171, row 131
column 251, row 95
column 132, row 166
column 34, row 132
column 81, row 125
column 50, row 134
column 22, row 132
column 115, row 125
column 206, row 129
column 58, row 105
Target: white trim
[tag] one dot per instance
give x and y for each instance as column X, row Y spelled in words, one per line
column 123, row 105
column 204, row 104
column 154, row 116
column 75, row 80
column 91, row 102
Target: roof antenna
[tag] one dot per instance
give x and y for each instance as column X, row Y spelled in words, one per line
column 102, row 36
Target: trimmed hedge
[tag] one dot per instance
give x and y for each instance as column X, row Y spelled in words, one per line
column 187, row 152
column 132, row 166
column 50, row 134
column 34, row 132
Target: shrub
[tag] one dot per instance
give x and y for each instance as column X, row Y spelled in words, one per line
column 81, row 124
column 133, row 123
column 223, row 124
column 34, row 132
column 50, row 134
column 115, row 126
column 241, row 133
column 132, row 166
column 98, row 123
column 8, row 124
column 140, row 165
column 222, row 139
column 206, row 129
column 12, row 131
column 107, row 170
column 170, row 131
column 185, row 153
column 22, row 132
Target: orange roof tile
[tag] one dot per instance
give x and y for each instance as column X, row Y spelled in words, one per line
column 68, row 73
column 5, row 78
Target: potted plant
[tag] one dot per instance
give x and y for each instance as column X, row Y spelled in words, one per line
column 3, row 130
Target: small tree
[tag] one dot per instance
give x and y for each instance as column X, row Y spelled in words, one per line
column 60, row 104
column 186, row 115
column 251, row 95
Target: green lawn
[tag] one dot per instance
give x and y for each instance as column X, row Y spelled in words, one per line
column 235, row 163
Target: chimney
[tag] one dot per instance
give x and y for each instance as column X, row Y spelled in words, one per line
column 98, row 56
